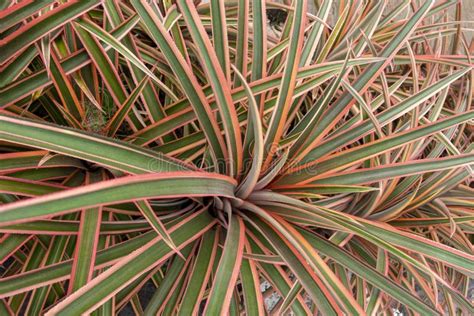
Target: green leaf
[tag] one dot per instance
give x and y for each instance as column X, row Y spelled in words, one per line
column 250, row 281
column 83, row 266
column 39, row 79
column 178, row 184
column 219, row 34
column 242, row 41
column 346, row 158
column 34, row 30
column 389, row 171
column 276, row 275
column 314, row 35
column 10, row 244
column 132, row 266
column 312, row 284
column 27, row 187
column 255, row 123
column 104, row 65
column 115, row 154
column 228, row 269
column 60, row 227
column 61, row 271
column 216, row 66
column 65, row 89
column 366, row 272
column 323, row 277
column 122, row 49
column 290, row 297
column 119, row 116
column 259, row 41
column 168, row 285
column 188, row 81
column 20, row 11
column 288, row 83
column 363, row 81
column 155, row 222
column 200, row 274
column 15, row 68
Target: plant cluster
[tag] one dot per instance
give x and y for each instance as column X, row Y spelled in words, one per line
column 232, row 163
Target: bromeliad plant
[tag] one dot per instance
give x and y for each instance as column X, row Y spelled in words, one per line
column 232, row 166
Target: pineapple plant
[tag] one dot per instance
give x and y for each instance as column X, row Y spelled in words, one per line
column 235, row 157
